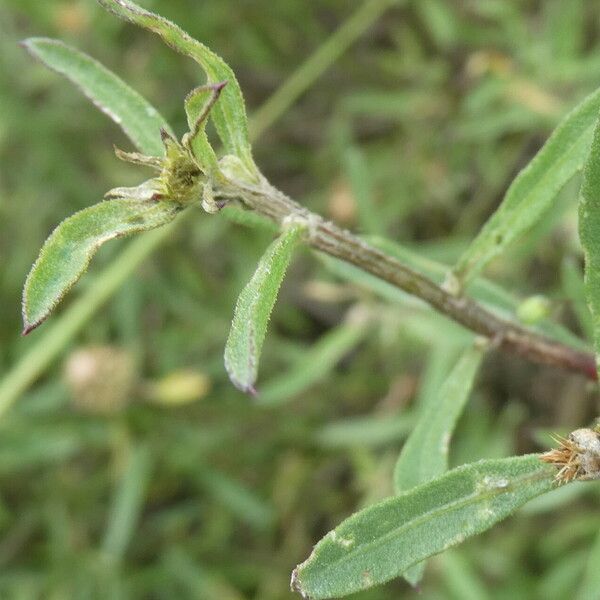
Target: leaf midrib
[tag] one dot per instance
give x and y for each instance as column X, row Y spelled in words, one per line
column 413, row 523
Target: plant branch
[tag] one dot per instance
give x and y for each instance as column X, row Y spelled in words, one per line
column 342, row 244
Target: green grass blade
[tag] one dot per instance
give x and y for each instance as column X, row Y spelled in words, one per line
column 369, row 431
column 359, row 175
column 195, row 578
column 314, row 366
column 589, row 233
column 140, row 121
column 425, row 453
column 253, row 309
column 229, row 114
column 462, row 579
column 590, row 586
column 573, row 287
column 382, row 541
column 69, row 249
column 237, row 498
column 318, row 62
column 127, row 503
column 531, row 194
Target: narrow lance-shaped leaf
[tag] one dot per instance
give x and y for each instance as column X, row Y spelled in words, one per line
column 425, row 453
column 198, row 104
column 253, row 309
column 229, row 114
column 69, row 249
column 382, row 541
column 589, row 234
column 140, row 121
column 532, row 192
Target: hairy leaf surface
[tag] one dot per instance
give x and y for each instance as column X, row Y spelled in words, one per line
column 532, row 192
column 70, row 247
column 229, row 114
column 140, row 121
column 589, row 234
column 253, row 309
column 382, row 541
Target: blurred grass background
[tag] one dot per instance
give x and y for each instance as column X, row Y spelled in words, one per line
column 132, row 468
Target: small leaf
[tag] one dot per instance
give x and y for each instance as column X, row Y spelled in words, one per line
column 589, row 234
column 425, row 453
column 229, row 114
column 532, row 192
column 382, row 541
column 139, row 120
column 198, row 104
column 66, row 254
column 253, row 310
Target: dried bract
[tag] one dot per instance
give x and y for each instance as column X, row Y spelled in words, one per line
column 577, row 456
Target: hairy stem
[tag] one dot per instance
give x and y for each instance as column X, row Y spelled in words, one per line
column 342, row 244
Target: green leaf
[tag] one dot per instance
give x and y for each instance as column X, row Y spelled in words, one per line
column 229, row 114
column 573, row 287
column 382, row 541
column 139, row 120
column 589, row 234
column 198, row 104
column 66, row 254
column 253, row 309
column 425, row 453
column 532, row 192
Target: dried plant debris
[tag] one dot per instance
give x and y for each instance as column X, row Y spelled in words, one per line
column 577, row 456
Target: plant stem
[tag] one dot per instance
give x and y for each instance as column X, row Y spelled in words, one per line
column 342, row 244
